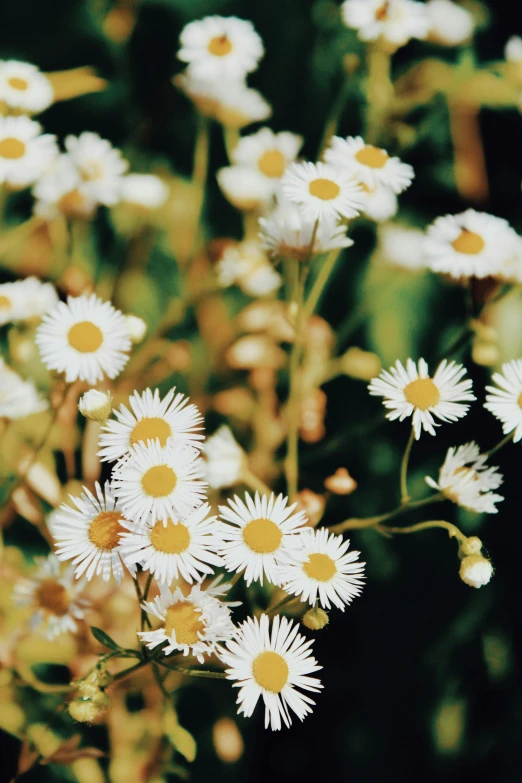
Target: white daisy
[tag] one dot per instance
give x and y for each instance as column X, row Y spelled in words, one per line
column 61, row 191
column 23, row 86
column 258, row 534
column 322, row 191
column 287, row 233
column 273, row 664
column 323, row 569
column 55, row 596
column 247, row 265
column 369, row 165
column 194, row 624
column 237, row 105
column 513, row 50
column 245, row 187
column 181, row 549
column 471, row 244
column 225, row 460
column 90, row 533
column 10, row 303
column 155, row 483
column 379, row 203
column 84, row 338
column 144, row 190
column 465, row 479
column 18, row 398
column 25, row 153
column 506, row 402
column 26, row 299
column 169, row 420
column 410, row 391
column 268, row 152
column 100, row 165
column 219, row 47
column 450, row 24
column 396, row 21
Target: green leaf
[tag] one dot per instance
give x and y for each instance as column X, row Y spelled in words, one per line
column 104, row 639
column 182, row 740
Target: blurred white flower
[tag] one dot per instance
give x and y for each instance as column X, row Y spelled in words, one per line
column 225, row 460
column 245, row 187
column 144, row 190
column 369, row 165
column 100, row 165
column 219, row 47
column 25, row 152
column 23, row 86
column 396, row 21
column 95, row 405
column 476, row 570
column 451, row 24
column 18, row 398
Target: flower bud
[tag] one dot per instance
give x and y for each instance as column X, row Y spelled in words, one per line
column 472, row 546
column 315, row 619
column 95, row 405
column 136, row 327
column 84, row 710
column 87, row 690
column 341, row 483
column 484, row 353
column 360, row 364
column 475, row 570
column 312, row 504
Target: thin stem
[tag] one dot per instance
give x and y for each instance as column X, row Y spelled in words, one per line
column 360, row 524
column 320, row 283
column 193, row 672
column 380, row 91
column 405, row 498
column 159, row 681
column 334, row 117
column 231, row 138
column 279, row 605
column 453, row 531
column 130, row 670
column 201, row 153
column 255, row 483
column 292, row 449
column 508, row 438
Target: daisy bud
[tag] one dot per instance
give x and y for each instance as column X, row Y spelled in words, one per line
column 84, row 711
column 95, row 405
column 315, row 619
column 340, row 482
column 475, row 570
column 485, row 354
column 88, row 690
column 472, row 546
column 136, row 327
column 312, row 504
column 360, row 364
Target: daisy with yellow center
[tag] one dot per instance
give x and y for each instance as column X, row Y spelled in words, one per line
column 193, row 624
column 180, row 549
column 466, row 480
column 268, row 152
column 85, row 339
column 322, row 191
column 394, row 21
column 26, row 299
column 61, row 191
column 411, row 391
column 471, row 244
column 274, row 664
column 155, row 483
column 101, row 167
column 231, row 103
column 89, row 534
column 323, row 569
column 55, row 597
column 25, row 153
column 150, row 418
column 24, row 87
column 258, row 534
column 504, row 400
column 220, row 48
column 371, row 166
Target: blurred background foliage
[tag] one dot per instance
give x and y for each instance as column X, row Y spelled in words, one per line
column 422, row 674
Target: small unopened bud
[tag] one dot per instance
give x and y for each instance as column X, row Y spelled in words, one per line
column 472, row 546
column 475, row 570
column 95, row 405
column 484, row 353
column 84, row 710
column 312, row 504
column 315, row 619
column 341, row 483
column 136, row 327
column 363, row 365
column 88, row 690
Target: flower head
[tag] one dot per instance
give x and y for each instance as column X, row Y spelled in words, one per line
column 95, row 405
column 268, row 152
column 476, row 570
column 219, row 47
column 18, row 398
column 100, row 165
column 465, row 478
column 395, row 21
column 504, row 400
column 369, row 165
column 24, row 87
column 225, row 460
column 322, row 191
column 25, row 152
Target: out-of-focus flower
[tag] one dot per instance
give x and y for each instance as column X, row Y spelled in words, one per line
column 513, row 50
column 144, row 190
column 136, row 327
column 26, row 299
column 237, row 402
column 228, row 742
column 379, row 203
column 466, row 480
column 23, row 86
column 272, row 664
column 225, row 460
column 360, row 364
column 95, row 405
column 476, row 570
column 253, row 351
column 340, row 482
column 247, row 265
column 369, row 165
column 312, row 411
column 402, row 246
column 100, row 165
column 411, row 391
column 504, row 400
column 238, row 106
column 85, row 338
column 268, row 152
column 245, row 187
column 219, row 47
column 60, row 191
column 394, row 21
column 312, row 505
column 18, row 398
column 324, row 192
column 450, row 24
column 268, row 316
column 25, row 152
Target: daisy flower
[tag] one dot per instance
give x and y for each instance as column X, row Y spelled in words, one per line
column 55, row 597
column 258, row 534
column 322, row 568
column 100, row 165
column 155, row 483
column 505, row 403
column 193, row 624
column 60, row 191
column 169, row 420
column 450, row 24
column 379, row 203
column 513, row 50
column 84, row 338
column 181, row 549
column 18, row 398
column 219, row 47
column 272, row 663
column 25, row 299
column 144, row 190
column 369, row 165
column 225, row 460
column 23, row 86
column 245, row 187
column 396, row 21
column 247, row 265
column 287, row 233
column 410, row 391
column 471, row 244
column 238, row 105
column 25, row 153
column 268, row 152
column 89, row 534
column 10, row 303
column 322, row 191
column 465, row 479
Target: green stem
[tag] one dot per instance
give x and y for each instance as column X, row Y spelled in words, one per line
column 279, row 605
column 360, row 524
column 453, row 531
column 508, row 438
column 405, row 498
column 193, row 672
column 292, row 449
column 255, row 483
column 130, row 670
column 320, row 283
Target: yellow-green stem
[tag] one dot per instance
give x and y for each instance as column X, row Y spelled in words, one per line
column 292, row 408
column 453, row 531
column 405, row 498
column 255, row 483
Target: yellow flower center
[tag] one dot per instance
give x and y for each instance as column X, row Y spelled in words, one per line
column 262, row 536
column 468, row 243
column 185, row 620
column 220, row 46
column 105, row 529
column 91, row 171
column 324, row 189
column 85, row 337
column 53, row 597
column 422, row 393
column 151, row 428
column 159, row 481
column 12, row 148
column 5, row 303
column 519, row 401
column 373, row 157
column 270, row 671
column 173, row 539
column 320, row 567
column 272, row 163
column 72, row 203
column 18, row 84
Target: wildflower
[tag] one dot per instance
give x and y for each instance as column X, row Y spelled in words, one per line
column 450, row 24
column 144, row 190
column 341, row 483
column 322, row 191
column 60, row 191
column 218, row 47
column 26, row 299
column 253, row 351
column 25, row 152
column 245, row 187
column 513, row 50
column 100, row 165
column 95, row 405
column 476, row 570
column 23, row 86
column 315, row 619
column 237, row 105
column 84, row 710
column 247, row 265
column 18, row 398
column 225, row 460
column 411, row 391
column 136, row 327
column 394, row 21
column 268, row 152
column 504, row 400
column 379, row 203
column 369, row 165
